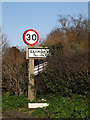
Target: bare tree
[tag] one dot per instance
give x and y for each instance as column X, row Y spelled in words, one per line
column 4, row 44
column 72, row 33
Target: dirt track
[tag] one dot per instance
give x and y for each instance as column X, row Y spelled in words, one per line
column 15, row 114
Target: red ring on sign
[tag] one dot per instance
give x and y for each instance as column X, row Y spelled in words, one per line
column 26, row 40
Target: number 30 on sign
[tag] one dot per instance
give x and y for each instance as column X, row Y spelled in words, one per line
column 30, row 37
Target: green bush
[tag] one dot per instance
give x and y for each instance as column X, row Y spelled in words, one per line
column 10, row 101
column 66, row 74
column 62, row 107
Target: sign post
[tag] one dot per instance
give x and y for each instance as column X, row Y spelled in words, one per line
column 31, row 37
column 33, row 53
column 31, row 92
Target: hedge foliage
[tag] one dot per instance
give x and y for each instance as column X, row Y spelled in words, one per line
column 65, row 74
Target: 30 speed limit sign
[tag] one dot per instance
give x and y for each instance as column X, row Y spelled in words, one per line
column 30, row 37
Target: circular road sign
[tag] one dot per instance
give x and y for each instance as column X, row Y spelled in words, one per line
column 30, row 37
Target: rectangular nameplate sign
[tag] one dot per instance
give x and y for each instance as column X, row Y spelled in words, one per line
column 37, row 53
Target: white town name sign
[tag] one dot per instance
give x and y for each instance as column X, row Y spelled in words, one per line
column 37, row 52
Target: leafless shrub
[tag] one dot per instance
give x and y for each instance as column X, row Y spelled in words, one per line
column 14, row 71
